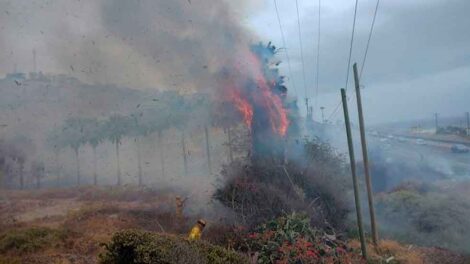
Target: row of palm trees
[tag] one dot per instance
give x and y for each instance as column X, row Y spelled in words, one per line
column 169, row 110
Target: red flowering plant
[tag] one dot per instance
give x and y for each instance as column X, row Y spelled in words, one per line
column 291, row 239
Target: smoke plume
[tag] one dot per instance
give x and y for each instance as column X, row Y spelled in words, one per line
column 164, row 44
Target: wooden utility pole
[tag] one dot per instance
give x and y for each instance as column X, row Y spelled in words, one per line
column 208, row 150
column 370, row 195
column 352, row 160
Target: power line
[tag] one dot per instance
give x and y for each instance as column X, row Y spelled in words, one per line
column 335, row 110
column 285, row 46
column 370, row 37
column 301, row 53
column 351, row 46
column 365, row 53
column 318, row 53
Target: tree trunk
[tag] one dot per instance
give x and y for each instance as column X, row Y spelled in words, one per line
column 38, row 179
column 58, row 168
column 21, row 171
column 95, row 174
column 208, row 151
column 185, row 158
column 139, row 161
column 118, row 165
column 162, row 157
column 77, row 161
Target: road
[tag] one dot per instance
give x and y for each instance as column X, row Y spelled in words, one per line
column 419, row 153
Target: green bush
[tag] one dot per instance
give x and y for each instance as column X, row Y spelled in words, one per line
column 132, row 246
column 291, row 239
column 29, row 240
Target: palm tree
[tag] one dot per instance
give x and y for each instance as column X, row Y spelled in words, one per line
column 178, row 118
column 93, row 130
column 157, row 118
column 139, row 129
column 71, row 134
column 115, row 128
column 73, row 137
column 200, row 115
column 53, row 143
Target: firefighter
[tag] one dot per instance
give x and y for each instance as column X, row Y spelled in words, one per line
column 196, row 231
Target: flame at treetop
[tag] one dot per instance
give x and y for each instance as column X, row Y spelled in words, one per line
column 254, row 95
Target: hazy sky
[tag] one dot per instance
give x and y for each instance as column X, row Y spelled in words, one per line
column 418, row 61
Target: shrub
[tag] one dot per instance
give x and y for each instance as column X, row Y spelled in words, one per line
column 29, row 240
column 291, row 239
column 132, row 246
column 268, row 188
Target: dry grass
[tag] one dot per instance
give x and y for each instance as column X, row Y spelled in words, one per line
column 88, row 220
column 392, row 252
column 87, row 223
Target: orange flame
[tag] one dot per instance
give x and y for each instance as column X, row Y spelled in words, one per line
column 262, row 96
column 243, row 106
column 270, row 101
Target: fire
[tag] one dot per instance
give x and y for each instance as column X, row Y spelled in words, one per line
column 273, row 104
column 243, row 106
column 254, row 96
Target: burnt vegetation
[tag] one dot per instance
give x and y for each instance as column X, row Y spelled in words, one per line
column 238, row 158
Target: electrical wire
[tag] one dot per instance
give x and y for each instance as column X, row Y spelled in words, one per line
column 365, row 53
column 301, row 51
column 285, row 47
column 368, row 40
column 318, row 53
column 351, row 46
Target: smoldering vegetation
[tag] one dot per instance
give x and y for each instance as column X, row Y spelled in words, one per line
column 423, row 200
column 150, row 115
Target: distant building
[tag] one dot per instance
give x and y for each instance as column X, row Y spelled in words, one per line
column 19, row 76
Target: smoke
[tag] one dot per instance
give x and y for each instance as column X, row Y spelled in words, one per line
column 164, row 44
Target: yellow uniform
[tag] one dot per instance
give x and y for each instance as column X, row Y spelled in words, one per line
column 196, row 231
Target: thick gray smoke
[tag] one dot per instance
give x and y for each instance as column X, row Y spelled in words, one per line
column 164, row 44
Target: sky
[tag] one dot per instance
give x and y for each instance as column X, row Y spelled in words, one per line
column 418, row 61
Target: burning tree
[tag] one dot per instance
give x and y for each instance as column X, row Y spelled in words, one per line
column 257, row 93
column 272, row 183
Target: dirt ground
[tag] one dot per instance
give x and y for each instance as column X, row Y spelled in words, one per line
column 85, row 218
column 74, row 223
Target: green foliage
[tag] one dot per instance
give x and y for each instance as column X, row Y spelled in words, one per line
column 93, row 131
column 116, row 127
column 291, row 239
column 71, row 134
column 170, row 109
column 29, row 240
column 132, row 246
